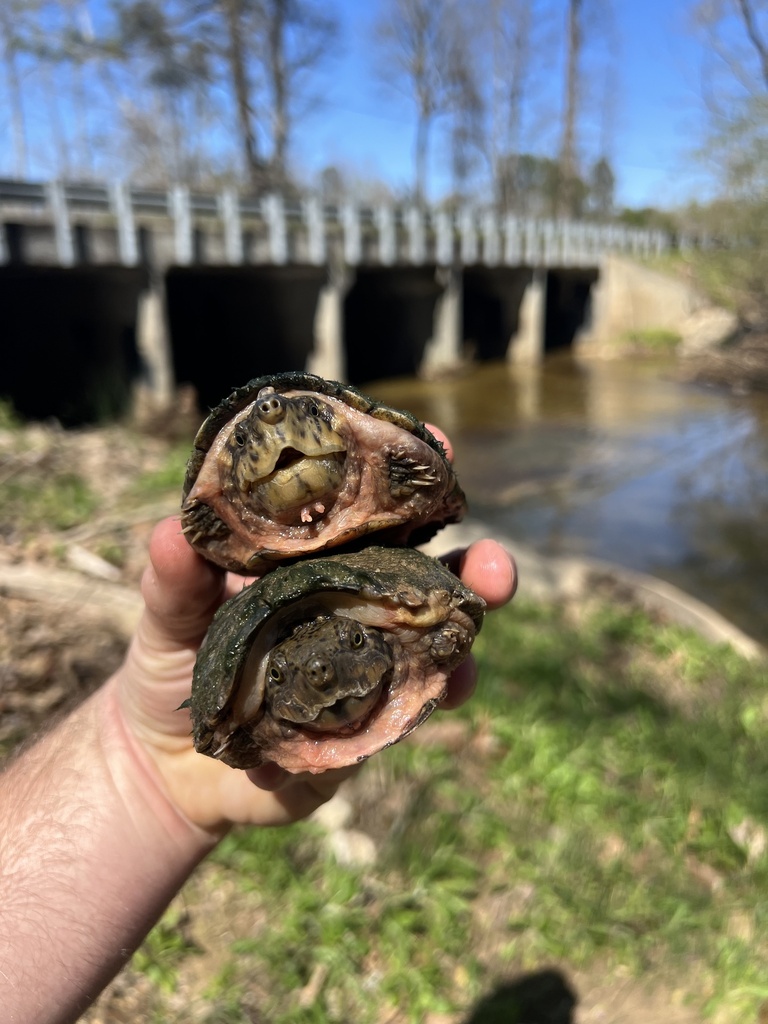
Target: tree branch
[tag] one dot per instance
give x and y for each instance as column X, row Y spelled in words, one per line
column 754, row 37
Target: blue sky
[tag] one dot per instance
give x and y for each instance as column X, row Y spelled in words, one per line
column 657, row 110
column 368, row 129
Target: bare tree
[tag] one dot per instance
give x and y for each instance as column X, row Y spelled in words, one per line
column 16, row 32
column 736, row 32
column 511, row 25
column 465, row 104
column 175, row 62
column 235, row 48
column 297, row 37
column 736, row 148
column 259, row 53
column 568, row 156
column 755, row 36
column 413, row 57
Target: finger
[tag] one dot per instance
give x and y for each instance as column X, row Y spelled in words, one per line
column 235, row 583
column 299, row 795
column 461, row 685
column 442, row 438
column 181, row 590
column 488, row 569
column 268, row 776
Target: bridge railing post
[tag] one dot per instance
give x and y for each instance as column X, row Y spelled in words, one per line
column 229, row 211
column 385, row 224
column 62, row 226
column 313, row 217
column 181, row 211
column 122, row 208
column 417, row 242
column 491, row 247
column 513, row 249
column 444, row 238
column 468, row 233
column 274, row 215
column 353, row 240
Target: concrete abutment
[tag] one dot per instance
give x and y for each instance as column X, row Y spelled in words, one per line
column 108, row 329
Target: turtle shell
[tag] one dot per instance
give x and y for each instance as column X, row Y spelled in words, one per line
column 326, row 661
column 294, row 465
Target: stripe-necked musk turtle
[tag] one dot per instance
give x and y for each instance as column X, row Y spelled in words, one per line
column 324, row 662
column 292, row 465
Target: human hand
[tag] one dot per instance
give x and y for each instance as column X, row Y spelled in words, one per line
column 181, row 592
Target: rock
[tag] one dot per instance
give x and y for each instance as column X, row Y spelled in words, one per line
column 92, row 565
column 334, row 814
column 351, row 848
column 706, row 329
column 751, row 838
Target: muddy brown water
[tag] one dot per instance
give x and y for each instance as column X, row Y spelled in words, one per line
column 615, row 460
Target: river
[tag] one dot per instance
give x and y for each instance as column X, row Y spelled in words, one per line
column 616, row 460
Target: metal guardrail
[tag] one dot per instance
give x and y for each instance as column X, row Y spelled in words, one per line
column 383, row 234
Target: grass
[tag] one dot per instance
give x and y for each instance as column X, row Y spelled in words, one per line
column 60, row 500
column 9, row 420
column 653, row 339
column 604, row 815
column 166, row 479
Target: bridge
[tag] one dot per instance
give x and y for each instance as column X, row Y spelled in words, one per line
column 349, row 290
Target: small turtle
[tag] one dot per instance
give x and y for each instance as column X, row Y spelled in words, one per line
column 293, row 465
column 326, row 661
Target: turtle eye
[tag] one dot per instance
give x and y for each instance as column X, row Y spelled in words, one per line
column 275, row 674
column 239, row 440
column 358, row 638
column 314, row 411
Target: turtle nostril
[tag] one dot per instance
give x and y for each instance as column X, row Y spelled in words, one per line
column 272, row 409
column 320, row 671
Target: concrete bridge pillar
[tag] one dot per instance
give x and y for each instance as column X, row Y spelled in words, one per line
column 153, row 343
column 527, row 345
column 327, row 358
column 443, row 350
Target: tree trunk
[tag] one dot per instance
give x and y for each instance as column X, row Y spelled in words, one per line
column 277, row 74
column 755, row 38
column 241, row 88
column 15, row 101
column 511, row 58
column 422, row 149
column 568, row 149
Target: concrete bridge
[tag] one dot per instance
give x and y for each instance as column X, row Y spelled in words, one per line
column 213, row 288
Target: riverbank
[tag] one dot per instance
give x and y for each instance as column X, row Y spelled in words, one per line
column 741, row 366
column 583, row 842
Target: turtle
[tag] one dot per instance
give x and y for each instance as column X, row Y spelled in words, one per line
column 328, row 660
column 292, row 465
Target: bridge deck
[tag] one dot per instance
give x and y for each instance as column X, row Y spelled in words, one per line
column 64, row 224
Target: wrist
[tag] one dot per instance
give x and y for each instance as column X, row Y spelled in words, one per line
column 91, row 852
column 140, row 773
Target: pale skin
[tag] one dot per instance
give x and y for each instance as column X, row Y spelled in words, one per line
column 104, row 818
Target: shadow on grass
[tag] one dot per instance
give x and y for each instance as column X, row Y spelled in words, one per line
column 541, row 997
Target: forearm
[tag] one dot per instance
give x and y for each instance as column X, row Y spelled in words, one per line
column 91, row 851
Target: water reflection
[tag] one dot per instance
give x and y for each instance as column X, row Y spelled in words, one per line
column 616, row 461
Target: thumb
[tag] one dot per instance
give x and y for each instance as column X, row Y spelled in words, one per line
column 181, row 590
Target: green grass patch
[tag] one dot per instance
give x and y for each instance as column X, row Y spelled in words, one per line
column 654, row 339
column 605, row 814
column 9, row 420
column 167, row 478
column 163, row 950
column 59, row 501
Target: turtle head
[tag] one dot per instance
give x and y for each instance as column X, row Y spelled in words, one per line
column 329, row 674
column 288, row 456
